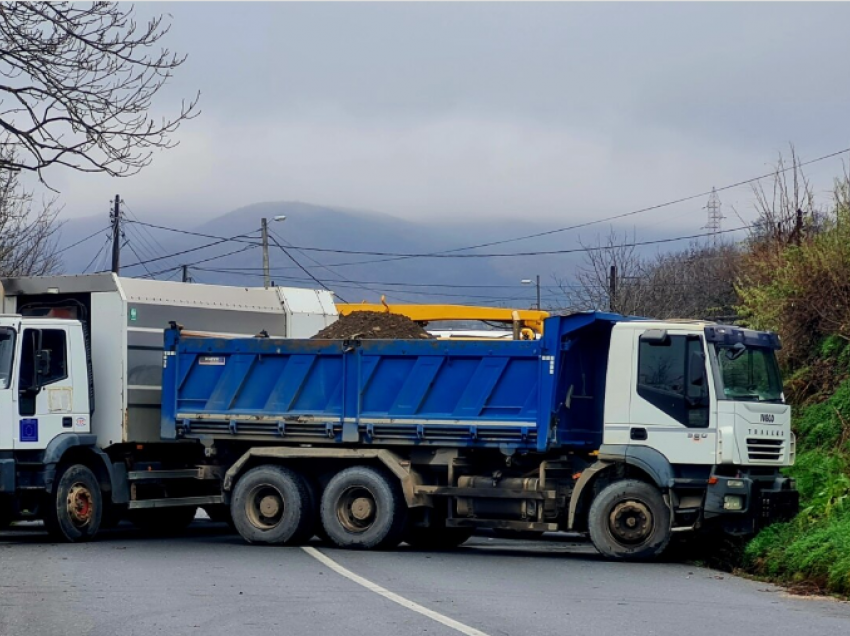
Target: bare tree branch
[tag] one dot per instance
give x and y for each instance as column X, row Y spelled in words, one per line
column 27, row 238
column 79, row 83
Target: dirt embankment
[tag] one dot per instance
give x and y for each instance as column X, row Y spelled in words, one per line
column 373, row 325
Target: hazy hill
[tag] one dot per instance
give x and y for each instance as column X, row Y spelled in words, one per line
column 488, row 281
column 466, row 280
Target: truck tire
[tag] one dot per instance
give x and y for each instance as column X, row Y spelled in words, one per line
column 162, row 521
column 74, row 506
column 629, row 520
column 364, row 508
column 272, row 505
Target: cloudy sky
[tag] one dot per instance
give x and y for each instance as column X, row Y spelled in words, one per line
column 552, row 112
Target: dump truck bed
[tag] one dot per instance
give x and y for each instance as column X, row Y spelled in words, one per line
column 521, row 395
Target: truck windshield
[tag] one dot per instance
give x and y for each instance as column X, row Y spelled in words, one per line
column 7, row 351
column 749, row 373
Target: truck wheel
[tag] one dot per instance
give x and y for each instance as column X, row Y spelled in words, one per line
column 75, row 505
column 364, row 508
column 436, row 538
column 272, row 505
column 629, row 520
column 162, row 520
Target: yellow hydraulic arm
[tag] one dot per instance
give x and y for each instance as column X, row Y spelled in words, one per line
column 527, row 318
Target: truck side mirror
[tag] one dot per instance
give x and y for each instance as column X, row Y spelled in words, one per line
column 42, row 366
column 696, row 368
column 736, row 351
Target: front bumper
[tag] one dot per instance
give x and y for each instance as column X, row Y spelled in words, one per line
column 764, row 501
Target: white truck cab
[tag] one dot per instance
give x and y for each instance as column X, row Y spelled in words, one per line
column 696, row 400
column 80, row 383
column 43, row 381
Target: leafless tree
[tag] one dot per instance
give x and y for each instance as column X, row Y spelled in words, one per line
column 697, row 282
column 590, row 288
column 79, row 81
column 787, row 209
column 27, row 232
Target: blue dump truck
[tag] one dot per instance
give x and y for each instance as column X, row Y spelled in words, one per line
column 628, row 430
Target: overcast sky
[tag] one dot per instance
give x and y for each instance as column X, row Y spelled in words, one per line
column 555, row 112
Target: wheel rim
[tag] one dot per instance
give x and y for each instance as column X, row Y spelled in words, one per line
column 79, row 505
column 631, row 522
column 356, row 509
column 265, row 506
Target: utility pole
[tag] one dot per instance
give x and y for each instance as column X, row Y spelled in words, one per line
column 115, row 217
column 186, row 278
column 265, row 233
column 538, row 292
column 612, row 289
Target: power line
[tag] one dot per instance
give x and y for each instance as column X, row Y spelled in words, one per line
column 654, row 207
column 515, row 254
column 81, row 241
column 133, row 249
column 146, row 238
column 205, row 260
column 188, row 251
column 302, row 268
column 102, row 247
column 319, row 264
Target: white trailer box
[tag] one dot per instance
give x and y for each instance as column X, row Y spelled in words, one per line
column 125, row 318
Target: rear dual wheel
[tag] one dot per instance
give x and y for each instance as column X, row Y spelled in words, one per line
column 364, row 508
column 273, row 505
column 360, row 508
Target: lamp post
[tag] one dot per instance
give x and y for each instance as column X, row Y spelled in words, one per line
column 264, row 231
column 528, row 281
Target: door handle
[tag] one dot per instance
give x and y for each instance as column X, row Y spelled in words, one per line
column 639, row 434
column 67, row 422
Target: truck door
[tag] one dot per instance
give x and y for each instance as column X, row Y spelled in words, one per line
column 7, row 404
column 45, row 389
column 670, row 406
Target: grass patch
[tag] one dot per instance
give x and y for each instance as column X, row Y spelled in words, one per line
column 812, row 552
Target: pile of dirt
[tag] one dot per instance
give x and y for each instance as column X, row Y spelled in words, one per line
column 373, row 325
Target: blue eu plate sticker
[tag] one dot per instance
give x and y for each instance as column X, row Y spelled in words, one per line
column 29, row 430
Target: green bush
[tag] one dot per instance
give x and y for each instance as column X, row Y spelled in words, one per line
column 815, row 553
column 814, row 549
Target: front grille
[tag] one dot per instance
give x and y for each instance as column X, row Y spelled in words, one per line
column 765, row 450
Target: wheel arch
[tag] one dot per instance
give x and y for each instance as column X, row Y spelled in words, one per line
column 71, row 448
column 617, row 462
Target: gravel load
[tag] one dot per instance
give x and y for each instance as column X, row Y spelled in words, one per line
column 373, row 325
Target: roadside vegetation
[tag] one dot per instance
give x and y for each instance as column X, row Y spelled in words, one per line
column 798, row 284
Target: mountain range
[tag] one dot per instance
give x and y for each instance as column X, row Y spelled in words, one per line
column 354, row 278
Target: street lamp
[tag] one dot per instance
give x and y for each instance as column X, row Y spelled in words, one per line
column 528, row 281
column 264, row 230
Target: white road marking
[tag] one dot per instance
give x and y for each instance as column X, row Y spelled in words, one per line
column 392, row 596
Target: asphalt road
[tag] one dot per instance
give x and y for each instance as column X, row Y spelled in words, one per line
column 209, row 582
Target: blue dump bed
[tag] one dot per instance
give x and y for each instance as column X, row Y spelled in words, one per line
column 524, row 395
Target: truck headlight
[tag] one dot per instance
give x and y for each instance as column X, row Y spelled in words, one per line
column 733, row 502
column 735, row 483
